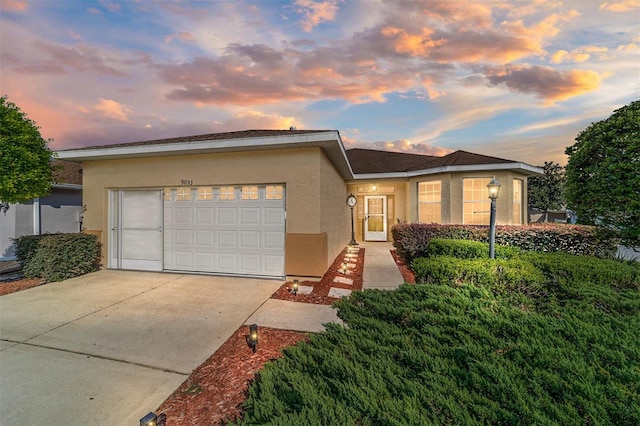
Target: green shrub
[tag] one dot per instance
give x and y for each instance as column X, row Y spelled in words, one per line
column 467, row 249
column 411, row 240
column 26, row 247
column 567, row 269
column 62, row 256
column 456, row 355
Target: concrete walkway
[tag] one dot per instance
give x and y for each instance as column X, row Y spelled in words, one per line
column 380, row 272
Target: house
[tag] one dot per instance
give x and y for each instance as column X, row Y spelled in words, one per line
column 273, row 202
column 60, row 211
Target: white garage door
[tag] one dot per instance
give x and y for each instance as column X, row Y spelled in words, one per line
column 230, row 230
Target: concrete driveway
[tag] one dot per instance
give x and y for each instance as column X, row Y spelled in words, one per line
column 108, row 347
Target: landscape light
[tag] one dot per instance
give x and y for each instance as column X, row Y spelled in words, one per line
column 253, row 336
column 343, row 268
column 295, row 287
column 149, row 420
column 494, row 190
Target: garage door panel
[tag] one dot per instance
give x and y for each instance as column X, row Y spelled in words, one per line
column 183, row 237
column 204, row 239
column 249, row 240
column 227, row 216
column 227, row 239
column 228, row 262
column 250, row 263
column 226, row 234
column 250, row 216
column 204, row 215
column 183, row 215
column 273, row 216
column 273, row 240
column 273, row 264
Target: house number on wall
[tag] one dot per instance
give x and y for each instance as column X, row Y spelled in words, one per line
column 186, row 182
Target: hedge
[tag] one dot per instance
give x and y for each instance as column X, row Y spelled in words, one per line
column 452, row 355
column 412, row 240
column 467, row 249
column 56, row 257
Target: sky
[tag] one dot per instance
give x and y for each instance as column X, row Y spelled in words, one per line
column 512, row 79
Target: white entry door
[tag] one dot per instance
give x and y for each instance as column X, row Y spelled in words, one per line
column 375, row 218
column 136, row 230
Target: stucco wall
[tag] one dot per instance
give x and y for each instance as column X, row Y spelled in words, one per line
column 303, row 172
column 60, row 211
column 335, row 219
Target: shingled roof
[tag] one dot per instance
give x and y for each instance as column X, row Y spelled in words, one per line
column 365, row 161
column 67, row 172
column 244, row 134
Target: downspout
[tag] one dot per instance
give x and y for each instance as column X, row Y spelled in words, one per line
column 36, row 216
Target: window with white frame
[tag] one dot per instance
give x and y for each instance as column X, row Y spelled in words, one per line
column 227, row 193
column 274, row 192
column 429, row 201
column 476, row 207
column 183, row 194
column 250, row 193
column 517, row 201
column 205, row 194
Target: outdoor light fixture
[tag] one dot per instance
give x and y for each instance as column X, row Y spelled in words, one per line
column 149, row 420
column 4, row 207
column 351, row 202
column 374, row 187
column 253, row 336
column 343, row 268
column 494, row 190
column 294, row 289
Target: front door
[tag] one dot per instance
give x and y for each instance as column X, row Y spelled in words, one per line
column 375, row 218
column 136, row 230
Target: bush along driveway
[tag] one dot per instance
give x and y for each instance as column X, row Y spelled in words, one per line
column 557, row 346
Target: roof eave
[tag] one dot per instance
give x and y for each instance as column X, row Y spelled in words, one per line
column 329, row 141
column 522, row 168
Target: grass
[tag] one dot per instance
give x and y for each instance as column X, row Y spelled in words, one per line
column 461, row 353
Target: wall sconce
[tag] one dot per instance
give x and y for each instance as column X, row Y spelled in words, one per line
column 4, row 207
column 253, row 336
column 294, row 288
column 374, row 188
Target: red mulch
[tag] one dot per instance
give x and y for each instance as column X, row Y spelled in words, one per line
column 23, row 284
column 215, row 390
column 320, row 293
column 405, row 271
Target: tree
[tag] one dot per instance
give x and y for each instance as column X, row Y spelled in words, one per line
column 25, row 158
column 547, row 192
column 603, row 174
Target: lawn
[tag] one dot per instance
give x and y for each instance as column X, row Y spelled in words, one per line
column 561, row 350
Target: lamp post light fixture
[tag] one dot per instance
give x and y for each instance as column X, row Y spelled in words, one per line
column 351, row 202
column 494, row 190
column 253, row 337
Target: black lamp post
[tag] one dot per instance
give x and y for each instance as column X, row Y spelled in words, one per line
column 494, row 190
column 351, row 202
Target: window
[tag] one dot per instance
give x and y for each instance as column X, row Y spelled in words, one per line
column 205, row 194
column 249, row 192
column 429, row 201
column 275, row 192
column 227, row 193
column 183, row 194
column 167, row 194
column 517, row 201
column 475, row 200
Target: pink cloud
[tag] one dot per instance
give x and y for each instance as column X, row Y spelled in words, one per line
column 548, row 83
column 113, row 110
column 316, row 12
column 14, row 5
column 182, row 36
column 620, row 6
